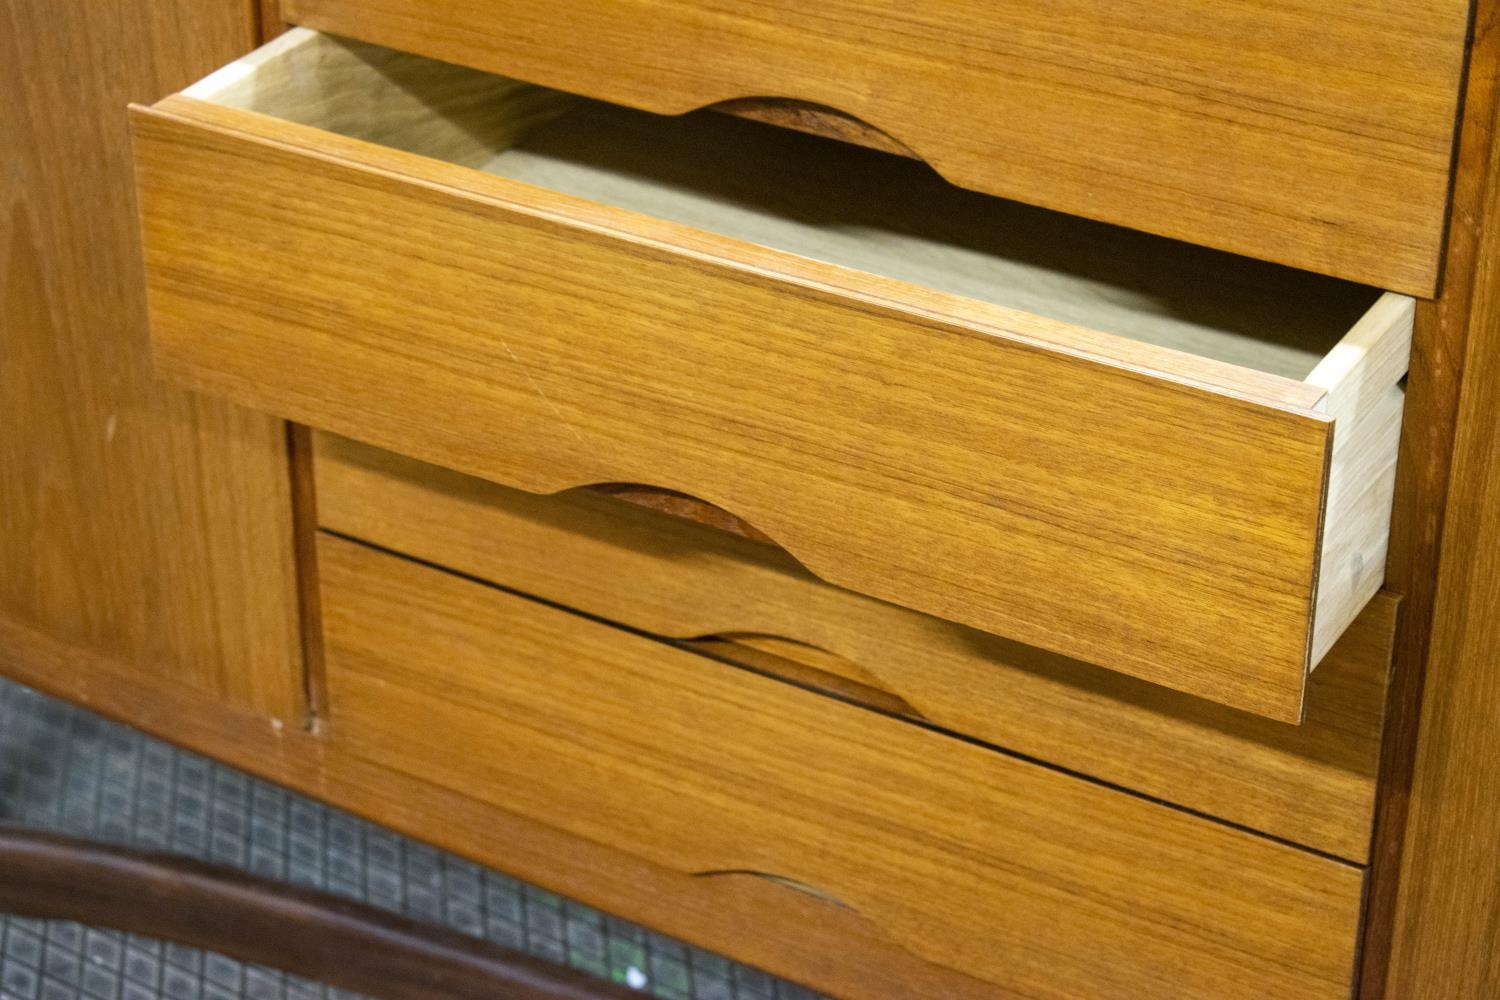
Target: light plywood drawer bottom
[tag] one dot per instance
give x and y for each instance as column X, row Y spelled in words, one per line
column 1001, row 871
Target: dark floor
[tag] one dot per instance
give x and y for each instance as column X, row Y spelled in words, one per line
column 64, row 769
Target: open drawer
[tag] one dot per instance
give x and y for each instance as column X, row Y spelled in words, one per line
column 1165, row 460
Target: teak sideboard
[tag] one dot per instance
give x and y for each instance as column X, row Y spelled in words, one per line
column 933, row 500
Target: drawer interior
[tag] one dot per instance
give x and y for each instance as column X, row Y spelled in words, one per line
column 847, row 205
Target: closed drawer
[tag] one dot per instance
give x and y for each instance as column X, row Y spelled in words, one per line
column 1009, row 873
column 1056, row 431
column 1310, row 133
column 1312, row 784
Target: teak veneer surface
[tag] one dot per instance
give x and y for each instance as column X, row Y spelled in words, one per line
column 1044, row 884
column 1448, row 910
column 1312, row 784
column 1313, row 134
column 1443, row 923
column 1067, row 488
column 119, row 658
column 733, row 912
column 137, row 520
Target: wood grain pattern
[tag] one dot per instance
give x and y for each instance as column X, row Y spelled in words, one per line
column 1444, row 330
column 1448, row 911
column 1043, row 884
column 573, row 412
column 1445, row 917
column 814, row 120
column 272, row 20
column 305, row 550
column 808, row 666
column 139, row 521
column 329, row 939
column 1310, row 134
column 1138, row 489
column 832, row 946
column 1312, row 784
column 683, row 506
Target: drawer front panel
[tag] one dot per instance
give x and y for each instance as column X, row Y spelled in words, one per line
column 955, row 467
column 1043, row 884
column 1314, row 134
column 1312, row 784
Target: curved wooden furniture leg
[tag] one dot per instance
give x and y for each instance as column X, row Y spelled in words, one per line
column 304, row 932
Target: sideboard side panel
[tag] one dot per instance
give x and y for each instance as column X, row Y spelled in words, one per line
column 137, row 521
